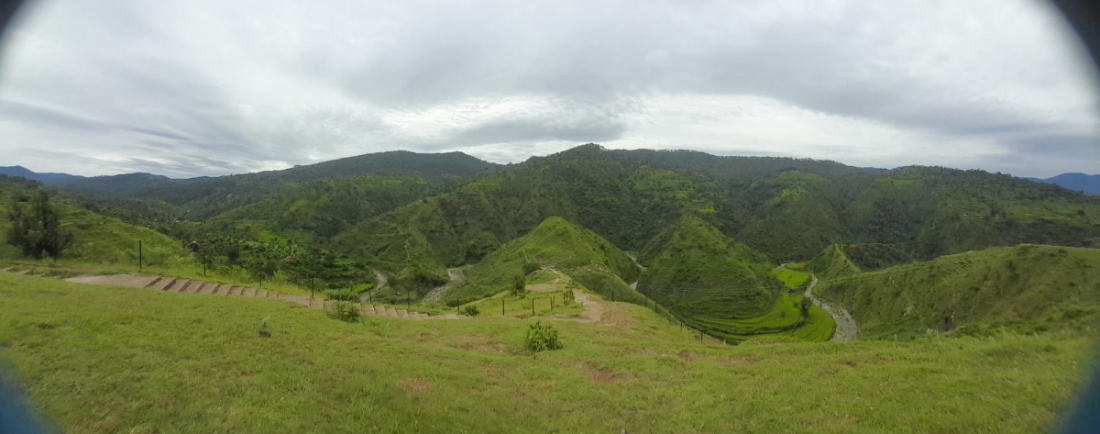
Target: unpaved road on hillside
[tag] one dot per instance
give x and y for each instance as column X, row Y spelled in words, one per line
column 436, row 294
column 845, row 325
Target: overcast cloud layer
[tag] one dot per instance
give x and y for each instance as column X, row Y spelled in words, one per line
column 197, row 87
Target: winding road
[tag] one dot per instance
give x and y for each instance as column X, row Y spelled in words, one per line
column 845, row 325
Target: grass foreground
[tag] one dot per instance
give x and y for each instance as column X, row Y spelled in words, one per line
column 104, row 359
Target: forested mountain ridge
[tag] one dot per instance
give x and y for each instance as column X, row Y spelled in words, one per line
column 921, row 212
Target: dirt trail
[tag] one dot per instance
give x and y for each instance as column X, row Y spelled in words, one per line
column 168, row 284
column 845, row 325
column 435, row 295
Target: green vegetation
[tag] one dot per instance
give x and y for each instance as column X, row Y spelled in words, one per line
column 1027, row 288
column 95, row 238
column 542, row 337
column 318, row 210
column 831, row 263
column 784, row 319
column 101, row 359
column 873, row 256
column 520, row 306
column 793, row 279
column 36, row 230
column 707, row 279
column 556, row 244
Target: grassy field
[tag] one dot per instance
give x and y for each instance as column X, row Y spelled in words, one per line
column 793, row 279
column 102, row 359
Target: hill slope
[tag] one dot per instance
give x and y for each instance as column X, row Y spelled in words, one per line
column 1026, row 288
column 790, row 215
column 117, row 351
column 705, row 277
column 558, row 244
column 96, row 238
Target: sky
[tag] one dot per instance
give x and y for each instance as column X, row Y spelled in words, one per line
column 213, row 87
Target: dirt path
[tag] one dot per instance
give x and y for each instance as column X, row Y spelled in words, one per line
column 435, row 295
column 169, row 284
column 845, row 325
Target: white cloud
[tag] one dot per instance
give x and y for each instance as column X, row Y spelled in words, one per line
column 203, row 87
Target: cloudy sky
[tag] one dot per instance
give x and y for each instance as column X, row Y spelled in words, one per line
column 211, row 87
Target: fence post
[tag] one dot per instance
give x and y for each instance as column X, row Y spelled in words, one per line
column 139, row 255
column 502, row 306
column 532, row 306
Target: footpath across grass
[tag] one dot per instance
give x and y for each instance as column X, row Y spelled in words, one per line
column 105, row 359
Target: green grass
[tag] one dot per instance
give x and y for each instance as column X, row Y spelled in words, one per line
column 1026, row 288
column 697, row 272
column 831, row 263
column 793, row 279
column 558, row 244
column 520, row 306
column 784, row 319
column 102, row 359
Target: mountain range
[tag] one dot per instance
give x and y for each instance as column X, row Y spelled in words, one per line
column 707, row 228
column 119, row 184
column 1088, row 184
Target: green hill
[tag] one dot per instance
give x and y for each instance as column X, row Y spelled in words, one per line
column 840, row 260
column 796, row 214
column 558, row 244
column 1027, row 288
column 96, row 238
column 622, row 201
column 205, row 197
column 712, row 282
column 930, row 211
column 319, row 210
column 873, row 256
column 788, row 214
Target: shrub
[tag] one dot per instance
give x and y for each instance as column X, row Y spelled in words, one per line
column 341, row 295
column 542, row 337
column 569, row 296
column 520, row 285
column 471, row 311
column 529, row 267
column 346, row 311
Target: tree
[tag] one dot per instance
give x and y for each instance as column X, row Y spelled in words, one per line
column 804, row 307
column 520, row 285
column 39, row 231
column 261, row 261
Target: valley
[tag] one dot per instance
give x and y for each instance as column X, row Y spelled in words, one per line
column 689, row 292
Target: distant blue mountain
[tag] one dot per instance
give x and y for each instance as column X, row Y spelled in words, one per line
column 27, row 173
column 1088, row 184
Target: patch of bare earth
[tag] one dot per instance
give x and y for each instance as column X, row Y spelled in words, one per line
column 414, row 385
column 600, row 374
column 684, row 355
